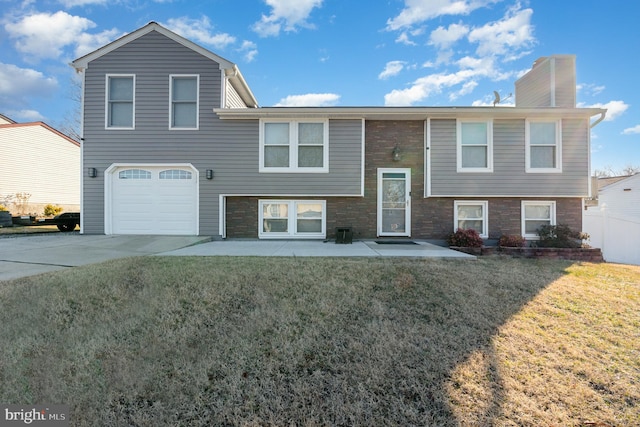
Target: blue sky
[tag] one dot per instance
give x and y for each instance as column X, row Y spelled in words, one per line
column 347, row 52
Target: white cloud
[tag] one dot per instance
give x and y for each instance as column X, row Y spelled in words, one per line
column 17, row 86
column 471, row 69
column 423, row 87
column 614, row 109
column 631, row 131
column 309, row 100
column 199, row 31
column 44, row 35
column 16, row 82
column 87, row 43
column 590, row 88
column 249, row 49
column 404, row 39
column 466, row 89
column 445, row 37
column 505, row 37
column 25, row 116
column 417, row 11
column 391, row 69
column 287, row 15
column 72, row 3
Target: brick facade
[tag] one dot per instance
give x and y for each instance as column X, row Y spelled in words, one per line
column 431, row 218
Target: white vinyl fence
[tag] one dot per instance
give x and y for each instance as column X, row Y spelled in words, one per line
column 617, row 235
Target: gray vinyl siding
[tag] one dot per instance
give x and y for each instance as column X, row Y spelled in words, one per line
column 534, row 88
column 565, row 82
column 240, row 169
column 552, row 83
column 230, row 148
column 509, row 177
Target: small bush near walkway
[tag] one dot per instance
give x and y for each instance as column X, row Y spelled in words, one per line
column 167, row 341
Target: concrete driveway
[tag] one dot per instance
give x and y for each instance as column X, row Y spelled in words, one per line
column 22, row 256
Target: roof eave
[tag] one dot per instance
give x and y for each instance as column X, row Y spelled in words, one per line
column 404, row 113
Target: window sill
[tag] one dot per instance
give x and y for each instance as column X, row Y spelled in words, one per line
column 541, row 170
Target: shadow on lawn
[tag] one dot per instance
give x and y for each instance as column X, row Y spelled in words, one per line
column 248, row 341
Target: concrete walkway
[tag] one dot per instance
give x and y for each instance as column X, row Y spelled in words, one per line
column 315, row 248
column 22, row 256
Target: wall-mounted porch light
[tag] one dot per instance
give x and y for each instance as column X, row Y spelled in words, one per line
column 209, row 174
column 395, row 154
column 92, row 172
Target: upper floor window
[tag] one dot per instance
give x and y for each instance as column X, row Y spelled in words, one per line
column 543, row 146
column 120, row 101
column 184, row 102
column 474, row 146
column 294, row 146
column 470, row 214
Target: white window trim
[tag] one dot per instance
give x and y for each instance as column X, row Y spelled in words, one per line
column 489, row 167
column 292, row 223
column 551, row 204
column 171, row 78
column 484, row 233
column 527, row 152
column 293, row 147
column 106, row 102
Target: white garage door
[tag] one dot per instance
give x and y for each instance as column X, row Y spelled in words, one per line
column 154, row 200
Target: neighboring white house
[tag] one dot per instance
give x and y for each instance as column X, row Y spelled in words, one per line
column 37, row 160
column 614, row 225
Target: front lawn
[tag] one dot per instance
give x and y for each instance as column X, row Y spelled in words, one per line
column 202, row 341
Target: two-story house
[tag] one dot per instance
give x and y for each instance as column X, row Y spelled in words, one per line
column 175, row 143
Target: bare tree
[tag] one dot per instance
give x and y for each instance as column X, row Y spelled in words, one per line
column 72, row 122
column 630, row 170
column 609, row 171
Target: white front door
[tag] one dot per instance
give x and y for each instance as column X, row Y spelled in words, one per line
column 394, row 202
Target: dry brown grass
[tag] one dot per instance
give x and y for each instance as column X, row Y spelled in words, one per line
column 263, row 341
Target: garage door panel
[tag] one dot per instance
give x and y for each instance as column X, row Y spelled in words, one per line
column 154, row 205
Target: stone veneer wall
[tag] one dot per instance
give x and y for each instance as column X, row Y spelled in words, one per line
column 431, row 218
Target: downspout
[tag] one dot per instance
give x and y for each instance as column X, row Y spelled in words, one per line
column 603, row 114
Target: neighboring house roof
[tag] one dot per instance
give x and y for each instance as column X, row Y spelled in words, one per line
column 4, row 120
column 620, row 182
column 44, row 125
column 608, row 180
column 231, row 70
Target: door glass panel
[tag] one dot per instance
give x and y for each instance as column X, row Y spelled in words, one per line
column 394, row 200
